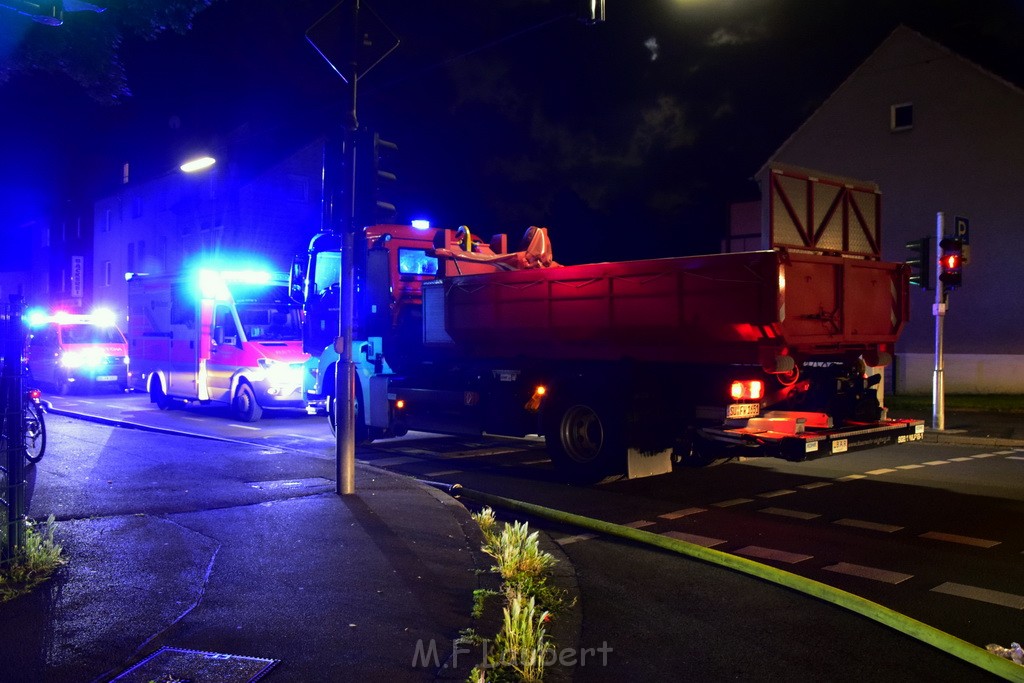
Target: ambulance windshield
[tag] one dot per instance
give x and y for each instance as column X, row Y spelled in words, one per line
column 270, row 321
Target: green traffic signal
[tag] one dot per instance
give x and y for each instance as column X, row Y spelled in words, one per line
column 921, row 262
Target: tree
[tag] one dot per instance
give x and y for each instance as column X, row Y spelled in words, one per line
column 86, row 46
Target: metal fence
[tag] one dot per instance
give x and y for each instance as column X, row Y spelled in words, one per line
column 13, row 480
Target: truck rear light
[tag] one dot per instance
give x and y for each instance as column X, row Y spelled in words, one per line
column 400, row 404
column 747, row 390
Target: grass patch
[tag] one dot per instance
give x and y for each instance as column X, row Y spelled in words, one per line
column 976, row 403
column 34, row 563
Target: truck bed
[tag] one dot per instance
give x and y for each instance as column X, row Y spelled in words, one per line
column 719, row 308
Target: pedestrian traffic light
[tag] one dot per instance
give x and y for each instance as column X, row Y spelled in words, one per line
column 921, row 262
column 951, row 264
column 375, row 179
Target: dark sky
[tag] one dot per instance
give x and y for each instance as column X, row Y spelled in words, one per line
column 626, row 139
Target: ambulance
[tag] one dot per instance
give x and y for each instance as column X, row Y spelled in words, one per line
column 70, row 351
column 218, row 336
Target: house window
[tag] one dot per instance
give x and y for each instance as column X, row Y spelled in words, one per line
column 901, row 117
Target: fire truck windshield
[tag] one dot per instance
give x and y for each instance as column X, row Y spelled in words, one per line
column 326, row 271
column 269, row 322
column 91, row 334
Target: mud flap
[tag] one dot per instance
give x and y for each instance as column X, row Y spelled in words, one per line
column 639, row 464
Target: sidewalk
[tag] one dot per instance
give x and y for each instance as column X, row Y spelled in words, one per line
column 202, row 546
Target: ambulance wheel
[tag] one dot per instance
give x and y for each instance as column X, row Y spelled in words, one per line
column 245, row 405
column 158, row 396
column 585, row 440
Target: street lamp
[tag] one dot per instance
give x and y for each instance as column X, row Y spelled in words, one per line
column 197, row 164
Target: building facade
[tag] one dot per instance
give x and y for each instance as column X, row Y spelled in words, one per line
column 938, row 134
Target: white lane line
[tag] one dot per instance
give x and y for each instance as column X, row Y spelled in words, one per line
column 773, row 554
column 933, row 463
column 442, row 473
column 566, row 540
column 1015, row 457
column 909, row 467
column 703, row 541
column 852, row 477
column 963, row 459
column 640, row 524
column 783, row 512
column 776, row 494
column 884, row 470
column 541, row 461
column 734, row 501
column 982, row 595
column 963, row 540
column 1004, row 452
column 685, row 512
column 237, row 426
column 815, row 485
column 873, row 573
column 984, row 455
column 391, row 462
column 873, row 526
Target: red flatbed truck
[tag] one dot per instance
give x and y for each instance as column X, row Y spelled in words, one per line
column 624, row 367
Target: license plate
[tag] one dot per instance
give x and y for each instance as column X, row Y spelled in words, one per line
column 738, row 410
column 106, row 378
column 839, row 446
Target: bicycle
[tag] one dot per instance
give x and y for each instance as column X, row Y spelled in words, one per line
column 34, row 426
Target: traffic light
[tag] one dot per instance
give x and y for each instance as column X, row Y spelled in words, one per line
column 951, row 264
column 375, row 181
column 921, row 262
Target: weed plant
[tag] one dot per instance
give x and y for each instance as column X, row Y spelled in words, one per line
column 34, row 563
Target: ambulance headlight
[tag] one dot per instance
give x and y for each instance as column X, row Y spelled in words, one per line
column 279, row 373
column 81, row 359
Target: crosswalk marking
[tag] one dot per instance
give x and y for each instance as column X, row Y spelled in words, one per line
column 852, row 477
column 686, row 512
column 873, row 573
column 797, row 514
column 909, row 467
column 815, row 485
column 703, row 541
column 963, row 540
column 884, row 470
column 776, row 494
column 873, row 526
column 773, row 554
column 640, row 524
column 733, row 502
column 982, row 594
column 566, row 540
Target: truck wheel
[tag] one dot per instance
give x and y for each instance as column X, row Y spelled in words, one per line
column 246, row 408
column 362, row 432
column 585, row 442
column 158, row 396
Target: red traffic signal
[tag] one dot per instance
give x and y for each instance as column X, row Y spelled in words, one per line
column 951, row 263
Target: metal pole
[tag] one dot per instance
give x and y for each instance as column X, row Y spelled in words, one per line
column 345, row 375
column 939, row 311
column 14, row 429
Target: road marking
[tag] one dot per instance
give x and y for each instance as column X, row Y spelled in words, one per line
column 884, row 470
column 478, row 453
column 873, row 573
column 734, row 501
column 962, row 459
column 783, row 512
column 703, row 541
column 852, row 477
column 937, row 462
column 238, row 426
column 964, row 540
column 682, row 513
column 776, row 494
column 773, row 554
column 815, row 485
column 1004, row 452
column 442, row 473
column 391, row 462
column 566, row 540
column 984, row 455
column 982, row 595
column 1015, row 457
column 535, row 462
column 640, row 524
column 909, row 467
column 873, row 526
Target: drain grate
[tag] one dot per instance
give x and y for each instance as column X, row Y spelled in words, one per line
column 175, row 665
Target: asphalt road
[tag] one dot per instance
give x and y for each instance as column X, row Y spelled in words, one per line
column 929, row 530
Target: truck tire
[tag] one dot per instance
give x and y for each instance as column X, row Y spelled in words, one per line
column 362, row 432
column 158, row 396
column 585, row 440
column 245, row 406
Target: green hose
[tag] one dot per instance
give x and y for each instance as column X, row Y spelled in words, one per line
column 968, row 652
